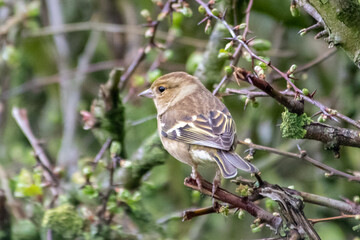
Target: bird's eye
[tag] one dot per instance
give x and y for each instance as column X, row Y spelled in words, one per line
column 161, row 88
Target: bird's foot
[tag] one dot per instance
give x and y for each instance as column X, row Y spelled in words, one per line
column 216, row 183
column 197, row 177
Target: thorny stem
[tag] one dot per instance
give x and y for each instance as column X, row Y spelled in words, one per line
column 237, row 52
column 303, row 156
column 245, row 45
column 332, row 112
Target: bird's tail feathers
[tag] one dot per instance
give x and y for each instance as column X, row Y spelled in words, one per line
column 229, row 162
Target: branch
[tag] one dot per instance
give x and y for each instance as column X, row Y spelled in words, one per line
column 340, row 19
column 344, row 216
column 334, row 136
column 109, row 28
column 190, row 214
column 342, row 206
column 326, row 110
column 20, row 116
column 244, row 43
column 237, row 52
column 165, row 11
column 303, row 156
column 12, row 21
column 236, row 201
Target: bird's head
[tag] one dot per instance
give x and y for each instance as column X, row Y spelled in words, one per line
column 171, row 88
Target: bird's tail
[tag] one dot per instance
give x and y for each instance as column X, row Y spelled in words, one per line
column 229, row 162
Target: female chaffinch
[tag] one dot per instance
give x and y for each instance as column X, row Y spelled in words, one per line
column 195, row 127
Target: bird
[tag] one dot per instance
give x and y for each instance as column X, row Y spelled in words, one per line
column 195, row 127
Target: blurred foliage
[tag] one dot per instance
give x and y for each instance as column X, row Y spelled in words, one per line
column 149, row 195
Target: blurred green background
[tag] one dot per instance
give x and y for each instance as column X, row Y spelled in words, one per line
column 30, row 76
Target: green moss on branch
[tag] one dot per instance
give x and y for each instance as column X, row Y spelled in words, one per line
column 293, row 124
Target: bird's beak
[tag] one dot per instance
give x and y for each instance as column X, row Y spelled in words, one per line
column 147, row 93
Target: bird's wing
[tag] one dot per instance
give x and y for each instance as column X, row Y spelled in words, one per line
column 215, row 129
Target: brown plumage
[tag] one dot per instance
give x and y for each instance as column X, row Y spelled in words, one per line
column 195, row 127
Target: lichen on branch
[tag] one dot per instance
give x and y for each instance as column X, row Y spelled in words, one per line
column 292, row 125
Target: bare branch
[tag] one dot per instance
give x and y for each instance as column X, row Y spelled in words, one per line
column 236, row 201
column 20, row 115
column 303, row 156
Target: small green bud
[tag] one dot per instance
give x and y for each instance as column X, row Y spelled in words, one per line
column 215, row 12
column 201, row 9
column 187, row 12
column 333, row 112
column 224, row 210
column 177, row 19
column 229, row 47
column 291, row 187
column 242, row 26
column 228, row 70
column 243, row 98
column 262, row 64
column 195, row 196
column 259, row 72
column 260, row 44
column 223, row 54
column 322, row 118
column 208, row 28
column 153, row 75
column 357, row 217
column 295, row 12
column 243, row 190
column 256, row 229
column 247, row 56
column 145, row 14
column 293, row 68
column 254, row 104
column 241, row 214
column 240, row 37
column 305, row 91
column 168, row 54
column 356, row 228
column 87, row 171
column 356, row 199
column 115, row 148
column 327, row 175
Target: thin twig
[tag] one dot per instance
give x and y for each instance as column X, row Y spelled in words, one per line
column 302, row 156
column 323, row 108
column 104, row 147
column 190, row 214
column 166, row 10
column 238, row 51
column 20, row 116
column 247, row 48
column 344, row 216
column 109, row 28
column 36, row 83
